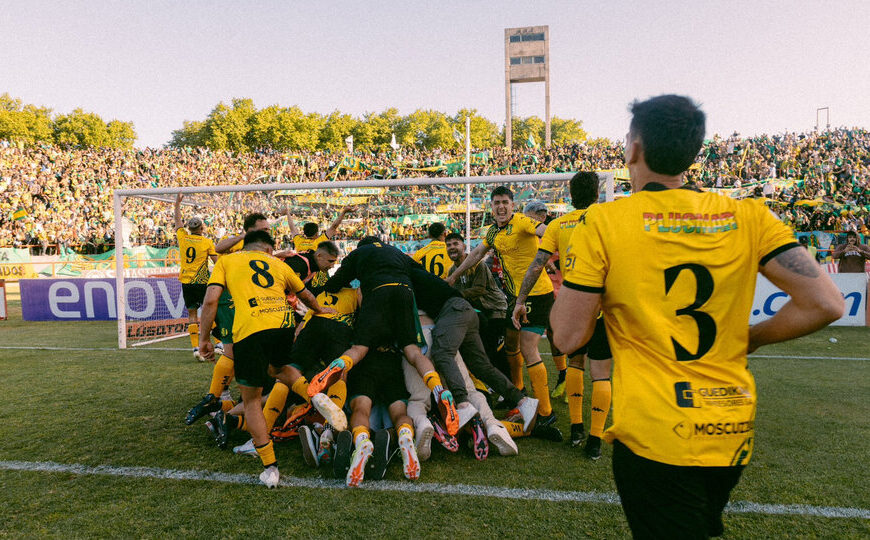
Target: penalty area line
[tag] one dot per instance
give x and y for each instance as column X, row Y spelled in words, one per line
column 547, row 495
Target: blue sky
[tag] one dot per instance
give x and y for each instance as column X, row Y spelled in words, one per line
column 755, row 67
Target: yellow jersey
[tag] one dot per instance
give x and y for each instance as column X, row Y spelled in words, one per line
column 433, row 257
column 516, row 245
column 258, row 283
column 559, row 231
column 677, row 269
column 194, row 251
column 303, row 243
column 345, row 302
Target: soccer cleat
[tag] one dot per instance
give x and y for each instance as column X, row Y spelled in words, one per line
column 479, row 443
column 447, row 408
column 361, row 455
column 592, row 450
column 208, row 404
column 547, row 432
column 528, row 408
column 381, row 455
column 196, row 356
column 270, row 477
column 559, row 388
column 410, row 460
column 324, row 449
column 446, row 440
column 310, row 445
column 577, row 435
column 330, row 411
column 246, row 449
column 290, row 429
column 423, row 442
column 341, row 462
column 465, row 412
column 326, row 378
column 498, row 435
column 219, row 429
column 548, row 420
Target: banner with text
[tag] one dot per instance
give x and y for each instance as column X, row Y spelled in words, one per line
column 769, row 299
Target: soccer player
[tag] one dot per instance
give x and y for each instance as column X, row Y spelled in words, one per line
column 433, row 256
column 676, row 307
column 387, row 315
column 311, row 237
column 852, row 255
column 262, row 328
column 195, row 250
column 584, row 192
column 312, row 266
column 514, row 237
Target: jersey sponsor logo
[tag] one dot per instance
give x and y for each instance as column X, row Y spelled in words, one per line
column 689, row 223
column 714, row 396
column 686, row 429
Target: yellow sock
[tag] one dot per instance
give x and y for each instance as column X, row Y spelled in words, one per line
column 221, row 375
column 432, row 380
column 561, row 361
column 227, row 405
column 241, row 423
column 360, row 433
column 574, row 392
column 515, row 429
column 300, row 388
column 538, row 376
column 601, row 392
column 348, row 361
column 516, row 361
column 193, row 330
column 267, row 454
column 338, row 393
column 275, row 404
column 406, row 426
column 478, row 384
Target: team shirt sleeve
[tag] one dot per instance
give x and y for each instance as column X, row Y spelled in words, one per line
column 585, row 263
column 776, row 236
column 550, row 240
column 211, row 250
column 218, row 274
column 527, row 224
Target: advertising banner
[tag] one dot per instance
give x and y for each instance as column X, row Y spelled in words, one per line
column 78, row 299
column 15, row 264
column 769, row 299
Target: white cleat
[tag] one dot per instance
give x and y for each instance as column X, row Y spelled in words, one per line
column 246, row 449
column 330, row 411
column 425, row 432
column 310, row 446
column 270, row 477
column 358, row 460
column 464, row 413
column 528, row 408
column 410, row 460
column 500, row 438
column 196, row 356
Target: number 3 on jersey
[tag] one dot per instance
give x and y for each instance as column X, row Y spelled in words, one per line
column 262, row 277
column 706, row 324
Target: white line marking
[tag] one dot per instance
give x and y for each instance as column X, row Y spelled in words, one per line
column 741, row 507
column 807, row 357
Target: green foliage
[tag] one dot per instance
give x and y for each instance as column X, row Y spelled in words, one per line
column 566, row 131
column 523, row 127
column 31, row 124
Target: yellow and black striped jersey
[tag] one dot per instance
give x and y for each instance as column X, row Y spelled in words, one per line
column 345, row 302
column 433, row 257
column 258, row 283
column 677, row 270
column 303, row 243
column 193, row 250
column 516, row 245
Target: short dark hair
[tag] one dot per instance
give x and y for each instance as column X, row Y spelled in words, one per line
column 584, row 189
column 851, row 233
column 310, row 229
column 252, row 219
column 366, row 240
column 454, row 236
column 671, row 131
column 328, row 247
column 436, row 230
column 501, row 190
column 259, row 237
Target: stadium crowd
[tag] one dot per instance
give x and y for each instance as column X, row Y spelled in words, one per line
column 53, row 198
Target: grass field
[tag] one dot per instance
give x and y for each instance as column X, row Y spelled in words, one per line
column 124, row 409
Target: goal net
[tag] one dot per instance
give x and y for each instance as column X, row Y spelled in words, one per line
column 151, row 308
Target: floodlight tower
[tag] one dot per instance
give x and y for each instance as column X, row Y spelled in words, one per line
column 526, row 59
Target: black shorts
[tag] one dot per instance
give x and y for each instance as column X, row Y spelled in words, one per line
column 388, row 316
column 193, row 294
column 320, row 342
column 253, row 355
column 379, row 377
column 537, row 312
column 668, row 501
column 597, row 348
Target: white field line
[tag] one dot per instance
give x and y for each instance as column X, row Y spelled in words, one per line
column 548, row 495
column 785, row 357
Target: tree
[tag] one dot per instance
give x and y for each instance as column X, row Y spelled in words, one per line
column 427, row 129
column 80, row 128
column 21, row 122
column 523, row 127
column 484, row 134
column 192, row 133
column 227, row 128
column 566, row 131
column 335, row 130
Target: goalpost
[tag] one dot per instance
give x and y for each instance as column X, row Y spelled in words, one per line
column 138, row 302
